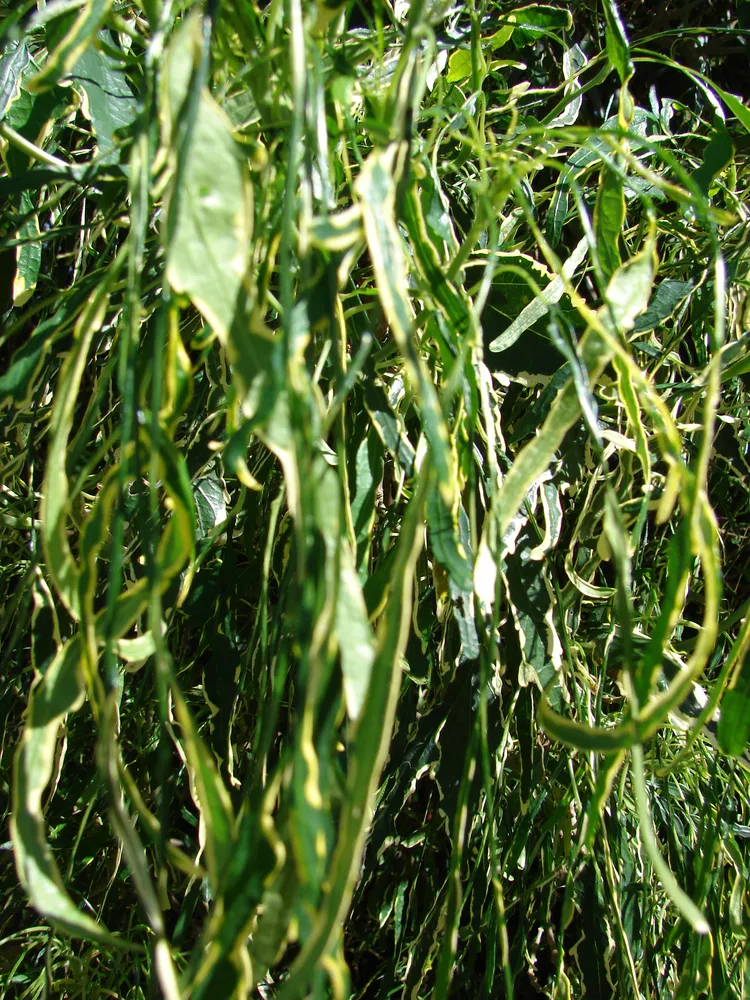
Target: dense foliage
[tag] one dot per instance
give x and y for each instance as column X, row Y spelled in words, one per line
column 374, row 499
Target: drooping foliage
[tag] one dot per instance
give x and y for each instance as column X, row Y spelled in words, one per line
column 374, row 499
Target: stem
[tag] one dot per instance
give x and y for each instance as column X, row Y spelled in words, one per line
column 17, row 140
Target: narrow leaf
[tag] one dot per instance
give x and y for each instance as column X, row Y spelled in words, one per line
column 210, row 204
column 72, row 45
column 540, row 305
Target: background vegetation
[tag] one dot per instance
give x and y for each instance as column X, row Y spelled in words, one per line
column 374, row 503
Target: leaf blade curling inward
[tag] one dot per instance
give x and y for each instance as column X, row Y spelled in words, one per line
column 59, row 692
column 110, row 103
column 71, row 46
column 375, row 189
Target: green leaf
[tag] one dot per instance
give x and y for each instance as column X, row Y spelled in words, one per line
column 109, row 103
column 668, row 295
column 210, row 497
column 609, row 768
column 59, row 692
column 626, row 297
column 681, row 900
column 618, row 48
column 504, row 35
column 590, row 739
column 629, row 289
column 210, row 203
column 390, row 426
column 558, row 214
column 20, row 109
column 28, row 255
column 459, row 65
column 453, row 301
column 574, row 61
column 373, row 735
column 534, row 22
column 734, row 724
column 61, row 564
column 530, row 599
column 376, row 190
column 735, row 105
column 539, row 306
column 339, row 231
column 445, row 542
column 72, row 45
column 368, row 474
column 609, row 220
column 14, row 61
column 354, row 634
column 718, row 153
column 209, row 792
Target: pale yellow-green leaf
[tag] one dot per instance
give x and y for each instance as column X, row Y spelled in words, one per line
column 459, row 65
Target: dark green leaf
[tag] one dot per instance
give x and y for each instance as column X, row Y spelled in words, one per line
column 718, row 153
column 734, row 725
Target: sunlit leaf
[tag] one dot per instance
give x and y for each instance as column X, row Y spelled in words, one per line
column 59, row 692
column 618, row 49
column 72, row 45
column 209, row 217
column 14, row 61
column 110, row 102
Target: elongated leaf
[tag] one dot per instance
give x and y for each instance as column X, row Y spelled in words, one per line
column 717, row 154
column 682, row 901
column 110, row 102
column 446, row 544
column 558, row 213
column 390, row 426
column 28, row 255
column 354, row 634
column 736, row 105
column 368, row 475
column 72, row 45
column 56, row 502
column 210, row 204
column 609, row 219
column 212, row 797
column 453, row 300
column 14, row 61
column 372, row 739
column 618, row 49
column 734, row 725
column 574, row 61
column 668, row 295
column 627, row 296
column 540, row 305
column 583, row 737
column 58, row 693
column 529, row 594
column 376, row 189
